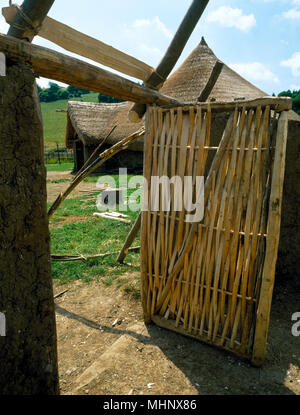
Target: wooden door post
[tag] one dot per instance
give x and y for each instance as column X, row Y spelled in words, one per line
column 28, row 351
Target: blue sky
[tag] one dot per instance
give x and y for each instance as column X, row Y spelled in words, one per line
column 257, row 38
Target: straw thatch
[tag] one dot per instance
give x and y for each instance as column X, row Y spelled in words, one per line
column 92, row 123
column 190, row 78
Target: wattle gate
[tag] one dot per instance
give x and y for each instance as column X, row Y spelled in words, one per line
column 213, row 278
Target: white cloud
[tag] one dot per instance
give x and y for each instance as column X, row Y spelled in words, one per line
column 294, row 87
column 3, row 25
column 255, row 71
column 293, row 63
column 292, row 14
column 44, row 82
column 296, row 2
column 230, row 17
column 151, row 50
column 156, row 22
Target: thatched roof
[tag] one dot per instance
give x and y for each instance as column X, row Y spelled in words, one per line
column 191, row 77
column 92, row 122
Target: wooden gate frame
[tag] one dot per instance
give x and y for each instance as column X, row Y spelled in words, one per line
column 264, row 298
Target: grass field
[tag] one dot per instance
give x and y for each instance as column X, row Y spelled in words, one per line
column 89, row 237
column 60, row 167
column 55, row 122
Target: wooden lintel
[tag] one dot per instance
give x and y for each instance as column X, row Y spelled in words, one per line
column 278, row 104
column 54, row 65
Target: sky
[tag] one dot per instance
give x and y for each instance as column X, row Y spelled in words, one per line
column 259, row 39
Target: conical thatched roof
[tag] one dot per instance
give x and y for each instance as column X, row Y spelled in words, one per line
column 92, row 122
column 191, row 77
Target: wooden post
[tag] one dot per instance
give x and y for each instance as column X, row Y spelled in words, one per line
column 35, row 11
column 159, row 76
column 264, row 305
column 28, row 353
column 130, row 238
column 214, row 76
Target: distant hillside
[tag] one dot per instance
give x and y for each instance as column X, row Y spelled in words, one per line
column 55, row 122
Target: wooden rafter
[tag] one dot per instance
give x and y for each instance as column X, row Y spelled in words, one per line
column 83, row 45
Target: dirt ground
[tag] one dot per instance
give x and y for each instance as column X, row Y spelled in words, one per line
column 53, row 189
column 104, row 347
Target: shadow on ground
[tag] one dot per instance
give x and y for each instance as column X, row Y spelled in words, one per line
column 179, row 365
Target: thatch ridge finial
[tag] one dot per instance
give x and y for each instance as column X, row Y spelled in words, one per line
column 203, row 42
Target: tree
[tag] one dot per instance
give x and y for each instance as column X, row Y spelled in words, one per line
column 295, row 95
column 108, row 99
column 76, row 92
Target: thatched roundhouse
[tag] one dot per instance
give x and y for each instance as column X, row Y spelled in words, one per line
column 88, row 124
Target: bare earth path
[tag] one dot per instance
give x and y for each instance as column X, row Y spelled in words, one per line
column 105, row 348
column 53, row 189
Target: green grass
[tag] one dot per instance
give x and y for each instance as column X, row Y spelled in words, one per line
column 60, row 167
column 55, row 122
column 93, row 236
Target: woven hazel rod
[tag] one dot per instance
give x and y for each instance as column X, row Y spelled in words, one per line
column 247, row 310
column 162, row 163
column 199, row 171
column 227, row 191
column 188, row 269
column 219, row 195
column 148, row 173
column 183, row 140
column 172, row 241
column 166, row 217
column 215, row 165
column 231, row 217
column 243, row 195
column 146, row 283
column 202, row 132
column 154, row 138
column 249, row 213
column 211, row 243
column 174, row 120
column 153, row 250
column 253, row 208
column 206, row 265
column 191, row 172
column 257, row 205
column 159, row 247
